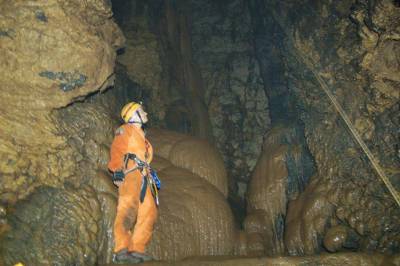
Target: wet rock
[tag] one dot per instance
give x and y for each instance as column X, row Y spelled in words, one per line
column 307, row 220
column 141, row 56
column 366, row 259
column 205, row 162
column 3, row 221
column 354, row 52
column 160, row 163
column 241, row 244
column 68, row 81
column 187, row 226
column 76, row 226
column 281, row 174
column 195, row 155
column 255, row 244
column 40, row 15
column 3, row 211
column 190, row 169
column 89, row 128
column 238, row 105
column 339, row 237
column 62, row 230
column 107, row 196
column 53, row 53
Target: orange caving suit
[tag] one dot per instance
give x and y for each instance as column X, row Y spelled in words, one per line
column 131, row 139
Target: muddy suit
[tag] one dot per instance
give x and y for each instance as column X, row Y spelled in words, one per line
column 134, row 221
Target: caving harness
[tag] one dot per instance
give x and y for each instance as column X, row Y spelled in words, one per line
column 149, row 176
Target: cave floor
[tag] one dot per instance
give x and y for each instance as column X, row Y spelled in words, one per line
column 345, row 258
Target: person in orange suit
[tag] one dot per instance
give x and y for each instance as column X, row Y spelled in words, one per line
column 136, row 211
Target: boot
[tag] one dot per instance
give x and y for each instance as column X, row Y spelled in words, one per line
column 144, row 257
column 123, row 256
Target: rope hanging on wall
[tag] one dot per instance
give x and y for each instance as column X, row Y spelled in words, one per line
column 354, row 132
column 301, row 59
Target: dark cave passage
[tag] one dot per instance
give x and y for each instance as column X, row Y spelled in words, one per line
column 274, row 126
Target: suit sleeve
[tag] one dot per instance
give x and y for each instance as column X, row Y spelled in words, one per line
column 150, row 152
column 117, row 151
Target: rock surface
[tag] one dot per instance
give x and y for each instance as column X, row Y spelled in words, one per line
column 75, row 226
column 71, row 228
column 195, row 155
column 237, row 103
column 281, row 174
column 195, row 218
column 341, row 43
column 53, row 53
column 226, row 70
column 345, row 259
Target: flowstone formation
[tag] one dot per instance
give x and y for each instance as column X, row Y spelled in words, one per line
column 70, row 223
column 281, row 174
column 352, row 46
column 195, row 218
column 196, row 155
column 75, row 226
column 225, row 70
column 346, row 259
column 53, row 53
column 237, row 102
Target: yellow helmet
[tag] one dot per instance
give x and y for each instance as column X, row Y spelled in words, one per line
column 128, row 110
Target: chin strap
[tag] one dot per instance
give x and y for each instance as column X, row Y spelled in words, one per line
column 142, row 125
column 137, row 122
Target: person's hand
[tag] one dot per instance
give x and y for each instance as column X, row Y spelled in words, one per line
column 118, row 177
column 118, row 183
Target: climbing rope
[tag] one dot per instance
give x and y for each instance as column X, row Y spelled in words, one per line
column 302, row 59
column 354, row 132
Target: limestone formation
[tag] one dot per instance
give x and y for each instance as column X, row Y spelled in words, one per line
column 75, row 226
column 347, row 259
column 141, row 56
column 339, row 238
column 281, row 174
column 351, row 46
column 52, row 54
column 307, row 219
column 237, row 102
column 230, row 71
column 194, row 219
column 68, row 229
column 193, row 154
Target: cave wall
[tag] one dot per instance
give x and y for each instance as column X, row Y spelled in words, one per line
column 353, row 46
column 53, row 53
column 58, row 60
column 141, row 56
column 158, row 57
column 243, row 60
column 76, row 225
column 282, row 173
column 73, row 228
column 237, row 102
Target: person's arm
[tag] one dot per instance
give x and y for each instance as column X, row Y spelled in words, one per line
column 117, row 152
